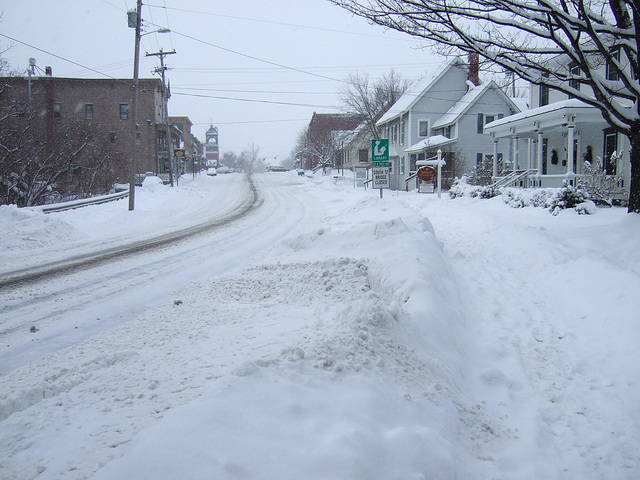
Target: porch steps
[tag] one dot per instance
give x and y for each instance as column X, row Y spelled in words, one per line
column 513, row 177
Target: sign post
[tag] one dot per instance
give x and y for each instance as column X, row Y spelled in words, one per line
column 380, row 163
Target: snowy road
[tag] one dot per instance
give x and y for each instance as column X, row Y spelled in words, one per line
column 72, row 304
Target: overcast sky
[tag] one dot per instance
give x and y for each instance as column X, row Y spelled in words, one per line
column 255, row 69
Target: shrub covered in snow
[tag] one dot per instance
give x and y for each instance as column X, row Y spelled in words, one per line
column 462, row 188
column 553, row 199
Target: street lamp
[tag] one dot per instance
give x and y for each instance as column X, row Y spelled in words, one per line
column 134, row 19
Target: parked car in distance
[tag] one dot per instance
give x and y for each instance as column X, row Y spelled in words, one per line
column 212, row 172
column 276, row 169
column 225, row 169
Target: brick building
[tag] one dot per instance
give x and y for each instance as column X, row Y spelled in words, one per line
column 192, row 161
column 324, row 137
column 96, row 111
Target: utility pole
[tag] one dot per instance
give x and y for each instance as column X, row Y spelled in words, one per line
column 136, row 63
column 162, row 68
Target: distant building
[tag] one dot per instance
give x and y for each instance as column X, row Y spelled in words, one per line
column 326, row 138
column 186, row 142
column 212, row 149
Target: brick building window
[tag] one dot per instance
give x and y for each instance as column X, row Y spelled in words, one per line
column 124, row 111
column 57, row 110
column 88, row 111
column 113, row 137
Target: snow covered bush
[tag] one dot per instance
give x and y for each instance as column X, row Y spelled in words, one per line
column 602, row 188
column 553, row 199
column 568, row 197
column 462, row 188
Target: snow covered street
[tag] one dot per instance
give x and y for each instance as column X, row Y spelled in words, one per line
column 327, row 334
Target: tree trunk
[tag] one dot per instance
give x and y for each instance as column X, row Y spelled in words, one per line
column 634, row 186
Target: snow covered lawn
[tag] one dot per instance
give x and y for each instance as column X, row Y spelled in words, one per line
column 399, row 338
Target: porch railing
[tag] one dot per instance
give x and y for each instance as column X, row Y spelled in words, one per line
column 513, row 178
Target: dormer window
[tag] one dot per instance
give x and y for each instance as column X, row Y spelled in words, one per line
column 574, row 70
column 544, row 92
column 612, row 71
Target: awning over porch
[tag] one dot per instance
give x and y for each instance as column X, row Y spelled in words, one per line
column 433, row 141
column 558, row 114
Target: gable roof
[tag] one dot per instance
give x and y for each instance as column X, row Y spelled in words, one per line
column 416, row 91
column 468, row 100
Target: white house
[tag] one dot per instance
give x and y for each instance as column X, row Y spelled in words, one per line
column 447, row 110
column 550, row 142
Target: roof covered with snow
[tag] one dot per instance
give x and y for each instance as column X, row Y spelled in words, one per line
column 468, row 100
column 416, row 91
column 432, row 141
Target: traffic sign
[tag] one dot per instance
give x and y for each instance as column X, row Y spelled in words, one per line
column 381, row 177
column 380, row 152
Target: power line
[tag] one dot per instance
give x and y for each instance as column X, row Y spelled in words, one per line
column 257, row 59
column 401, row 39
column 255, row 101
column 56, row 56
column 248, row 122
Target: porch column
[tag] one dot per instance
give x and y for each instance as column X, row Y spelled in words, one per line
column 540, row 145
column 570, row 149
column 529, row 158
column 515, row 153
column 495, row 159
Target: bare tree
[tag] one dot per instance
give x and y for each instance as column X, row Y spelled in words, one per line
column 372, row 100
column 249, row 158
column 526, row 37
column 34, row 171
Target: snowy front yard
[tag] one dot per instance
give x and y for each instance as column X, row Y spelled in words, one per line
column 398, row 338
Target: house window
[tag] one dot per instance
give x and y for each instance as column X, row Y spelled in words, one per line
column 394, row 133
column 544, row 93
column 88, row 111
column 402, row 132
column 57, row 110
column 423, row 128
column 610, row 146
column 124, row 111
column 479, row 158
column 612, row 71
column 574, row 70
column 363, row 155
column 483, row 120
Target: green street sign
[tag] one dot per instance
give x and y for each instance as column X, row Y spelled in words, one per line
column 380, row 152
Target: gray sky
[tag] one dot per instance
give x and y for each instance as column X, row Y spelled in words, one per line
column 255, row 69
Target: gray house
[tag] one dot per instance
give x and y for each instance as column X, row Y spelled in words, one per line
column 448, row 111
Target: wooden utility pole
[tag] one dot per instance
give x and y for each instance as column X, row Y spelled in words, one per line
column 162, row 68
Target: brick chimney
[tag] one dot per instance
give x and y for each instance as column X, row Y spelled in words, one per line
column 48, row 72
column 474, row 69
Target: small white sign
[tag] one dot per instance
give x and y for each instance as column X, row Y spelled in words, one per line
column 381, row 177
